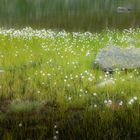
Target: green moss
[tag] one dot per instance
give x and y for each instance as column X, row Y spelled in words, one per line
column 24, row 106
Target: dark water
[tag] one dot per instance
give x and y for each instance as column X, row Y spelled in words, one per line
column 71, row 15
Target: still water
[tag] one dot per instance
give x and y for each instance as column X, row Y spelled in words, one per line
column 71, row 15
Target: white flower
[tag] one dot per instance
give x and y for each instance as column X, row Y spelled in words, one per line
column 49, row 74
column 55, row 126
column 100, row 77
column 73, row 62
column 132, row 100
column 29, row 78
column 81, row 90
column 135, row 98
column 95, row 105
column 41, row 71
column 43, row 83
column 110, row 102
column 57, row 132
column 69, row 98
column 86, row 91
column 131, row 77
column 71, row 78
column 107, row 72
column 82, row 77
column 105, row 101
column 68, row 85
column 89, row 79
column 111, row 78
column 88, row 53
column 86, row 71
column 129, row 103
column 55, row 137
column 121, row 103
column 20, row 124
column 43, row 74
column 38, row 91
column 94, row 94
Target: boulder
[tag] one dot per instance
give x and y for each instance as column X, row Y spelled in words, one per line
column 124, row 9
column 110, row 58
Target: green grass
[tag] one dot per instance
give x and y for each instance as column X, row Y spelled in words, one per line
column 47, row 80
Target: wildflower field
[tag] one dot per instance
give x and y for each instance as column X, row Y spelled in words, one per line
column 49, row 88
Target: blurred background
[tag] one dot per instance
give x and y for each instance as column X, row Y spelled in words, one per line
column 70, row 15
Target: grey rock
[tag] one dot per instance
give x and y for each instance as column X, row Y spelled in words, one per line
column 124, row 9
column 104, row 83
column 110, row 58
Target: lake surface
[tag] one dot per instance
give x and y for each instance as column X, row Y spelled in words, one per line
column 71, row 15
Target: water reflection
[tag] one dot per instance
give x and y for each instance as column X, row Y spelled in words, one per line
column 77, row 15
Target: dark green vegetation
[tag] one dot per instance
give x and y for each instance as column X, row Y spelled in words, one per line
column 71, row 15
column 51, row 123
column 49, row 90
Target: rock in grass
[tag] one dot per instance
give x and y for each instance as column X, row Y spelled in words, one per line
column 104, row 83
column 124, row 9
column 110, row 58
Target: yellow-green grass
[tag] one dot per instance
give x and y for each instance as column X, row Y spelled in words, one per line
column 49, row 74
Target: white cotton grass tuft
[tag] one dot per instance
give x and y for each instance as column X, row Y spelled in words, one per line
column 132, row 100
column 94, row 94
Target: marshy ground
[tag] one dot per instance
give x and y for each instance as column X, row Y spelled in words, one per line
column 49, row 89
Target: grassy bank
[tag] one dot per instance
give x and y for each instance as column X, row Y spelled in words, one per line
column 49, row 89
